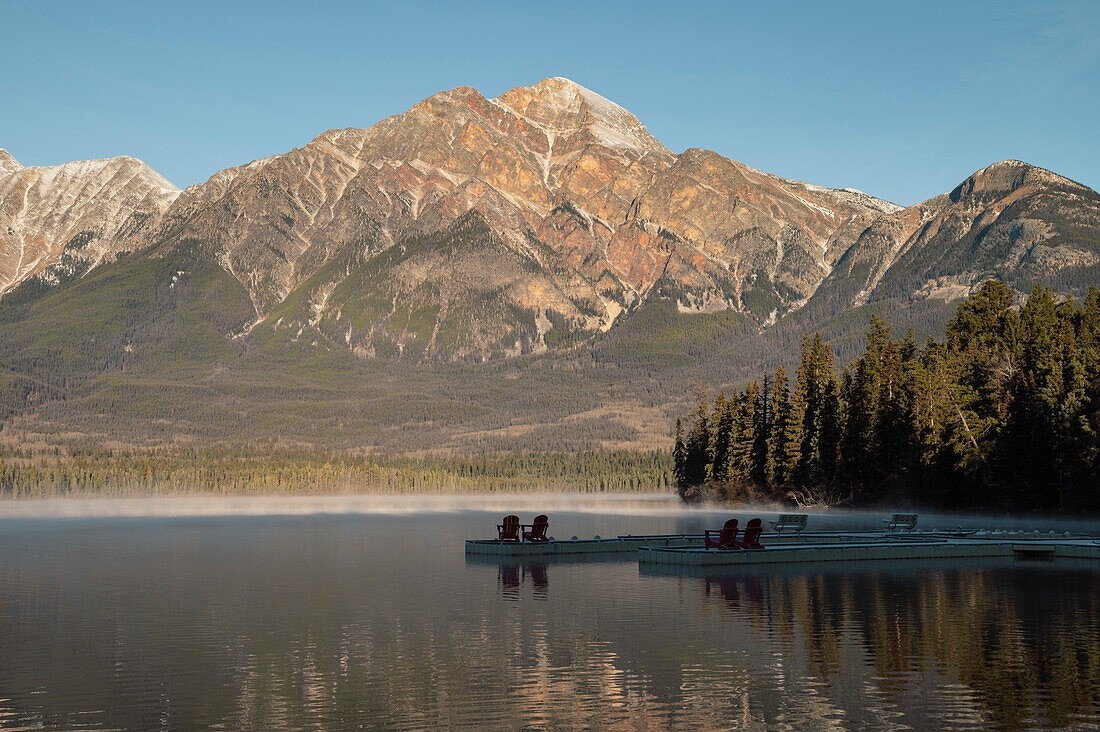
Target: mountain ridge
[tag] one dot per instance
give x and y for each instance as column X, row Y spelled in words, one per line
column 60, row 220
column 8, row 164
column 607, row 202
column 565, row 178
column 540, row 265
column 1004, row 221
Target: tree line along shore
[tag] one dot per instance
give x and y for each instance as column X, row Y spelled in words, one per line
column 232, row 471
column 1002, row 414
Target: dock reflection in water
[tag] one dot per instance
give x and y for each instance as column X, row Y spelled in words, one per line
column 513, row 575
column 337, row 622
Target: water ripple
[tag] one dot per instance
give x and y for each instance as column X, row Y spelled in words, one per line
column 378, row 622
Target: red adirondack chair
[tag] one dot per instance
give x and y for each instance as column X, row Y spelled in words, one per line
column 751, row 538
column 725, row 538
column 538, row 529
column 508, row 529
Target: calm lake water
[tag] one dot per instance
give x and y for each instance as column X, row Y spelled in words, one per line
column 376, row 619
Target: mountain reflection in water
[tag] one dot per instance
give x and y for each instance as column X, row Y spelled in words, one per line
column 379, row 621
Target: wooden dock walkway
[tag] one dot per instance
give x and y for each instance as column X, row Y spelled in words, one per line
column 618, row 544
column 688, row 550
column 883, row 549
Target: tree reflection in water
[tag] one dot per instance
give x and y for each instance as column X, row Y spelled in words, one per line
column 330, row 623
column 1022, row 643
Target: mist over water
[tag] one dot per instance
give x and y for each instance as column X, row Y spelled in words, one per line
column 608, row 504
column 364, row 612
column 352, row 505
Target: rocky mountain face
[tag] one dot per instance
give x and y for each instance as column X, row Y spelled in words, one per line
column 58, row 222
column 471, row 227
column 8, row 164
column 1009, row 221
column 373, row 289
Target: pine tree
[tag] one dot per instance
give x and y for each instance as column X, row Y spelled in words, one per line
column 679, row 459
column 721, row 438
column 909, row 350
column 894, row 429
column 933, row 414
column 740, row 464
column 1075, row 436
column 831, row 420
column 983, row 355
column 1044, row 440
column 780, row 433
column 761, row 429
column 817, row 385
column 797, row 463
column 697, row 447
column 860, row 442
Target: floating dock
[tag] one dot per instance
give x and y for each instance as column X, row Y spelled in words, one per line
column 627, row 544
column 879, row 548
column 848, row 569
column 630, row 543
column 825, row 546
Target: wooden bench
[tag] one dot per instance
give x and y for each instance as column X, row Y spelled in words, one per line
column 796, row 521
column 900, row 521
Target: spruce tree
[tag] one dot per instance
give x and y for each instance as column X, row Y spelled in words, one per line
column 860, row 442
column 780, row 430
column 721, row 438
column 797, row 463
column 831, row 421
column 821, row 404
column 983, row 341
column 744, row 436
column 761, row 429
column 893, row 437
column 679, row 459
column 697, row 447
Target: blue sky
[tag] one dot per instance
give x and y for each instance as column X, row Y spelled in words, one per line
column 900, row 100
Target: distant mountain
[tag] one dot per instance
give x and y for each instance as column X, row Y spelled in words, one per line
column 531, row 270
column 59, row 221
column 1009, row 221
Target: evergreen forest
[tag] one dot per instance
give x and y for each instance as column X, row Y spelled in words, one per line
column 270, row 470
column 1002, row 414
